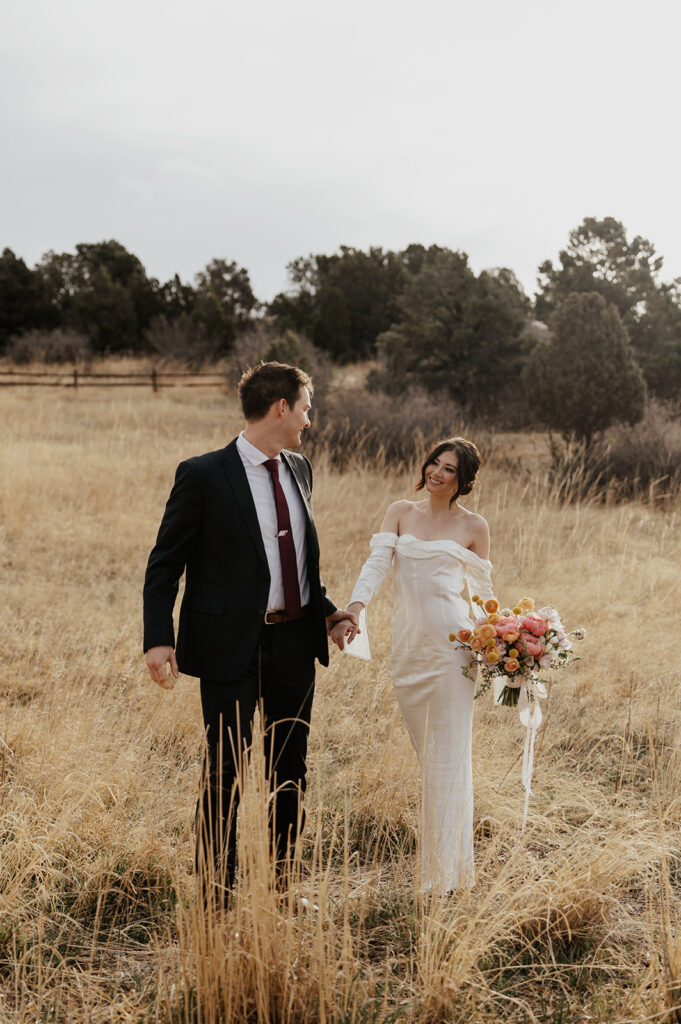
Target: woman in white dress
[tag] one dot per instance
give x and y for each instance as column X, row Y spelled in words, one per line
column 437, row 546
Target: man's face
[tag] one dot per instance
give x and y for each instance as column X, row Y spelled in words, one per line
column 296, row 419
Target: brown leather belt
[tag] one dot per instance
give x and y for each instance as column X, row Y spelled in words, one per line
column 276, row 618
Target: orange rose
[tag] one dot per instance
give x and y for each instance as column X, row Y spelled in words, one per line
column 494, row 618
column 486, row 631
column 526, row 603
column 463, row 636
column 511, row 665
column 511, row 637
column 477, row 643
column 491, row 605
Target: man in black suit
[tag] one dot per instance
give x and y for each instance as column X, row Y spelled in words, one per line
column 254, row 616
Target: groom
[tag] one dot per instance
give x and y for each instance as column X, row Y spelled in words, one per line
column 254, row 615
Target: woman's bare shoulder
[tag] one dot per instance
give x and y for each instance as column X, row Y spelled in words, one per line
column 394, row 514
column 475, row 520
column 478, row 530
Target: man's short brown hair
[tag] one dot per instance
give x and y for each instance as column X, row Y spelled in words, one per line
column 265, row 384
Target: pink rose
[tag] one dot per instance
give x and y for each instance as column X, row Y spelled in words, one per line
column 534, row 647
column 507, row 625
column 545, row 661
column 534, row 624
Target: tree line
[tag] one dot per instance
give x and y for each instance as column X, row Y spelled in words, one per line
column 603, row 329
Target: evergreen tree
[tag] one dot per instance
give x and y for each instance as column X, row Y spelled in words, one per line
column 22, row 304
column 586, row 377
column 601, row 258
column 457, row 333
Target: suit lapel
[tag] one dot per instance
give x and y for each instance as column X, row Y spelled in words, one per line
column 301, row 483
column 303, row 486
column 236, row 474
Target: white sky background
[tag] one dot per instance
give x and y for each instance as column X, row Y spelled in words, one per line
column 260, row 132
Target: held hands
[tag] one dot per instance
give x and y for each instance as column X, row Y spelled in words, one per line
column 157, row 658
column 342, row 621
column 343, row 625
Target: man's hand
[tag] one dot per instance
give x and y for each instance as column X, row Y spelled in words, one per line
column 157, row 659
column 344, row 624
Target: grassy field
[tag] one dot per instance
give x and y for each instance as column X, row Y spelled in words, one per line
column 577, row 920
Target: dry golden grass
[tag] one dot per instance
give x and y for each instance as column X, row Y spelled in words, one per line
column 577, row 920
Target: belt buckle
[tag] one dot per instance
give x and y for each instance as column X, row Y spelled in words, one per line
column 277, row 618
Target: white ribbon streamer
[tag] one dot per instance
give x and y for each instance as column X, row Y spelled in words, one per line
column 531, row 717
column 529, row 708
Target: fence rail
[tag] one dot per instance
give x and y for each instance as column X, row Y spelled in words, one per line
column 78, row 378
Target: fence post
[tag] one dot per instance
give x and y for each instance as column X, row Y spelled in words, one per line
column 154, row 383
column 75, row 377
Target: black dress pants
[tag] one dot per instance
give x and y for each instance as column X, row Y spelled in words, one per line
column 279, row 682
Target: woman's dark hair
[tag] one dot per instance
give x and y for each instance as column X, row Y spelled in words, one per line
column 469, row 460
column 265, row 384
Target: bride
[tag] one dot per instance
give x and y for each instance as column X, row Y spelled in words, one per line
column 437, row 545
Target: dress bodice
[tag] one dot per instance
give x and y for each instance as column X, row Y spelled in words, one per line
column 430, row 577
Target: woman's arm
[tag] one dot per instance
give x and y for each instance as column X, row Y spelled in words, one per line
column 373, row 572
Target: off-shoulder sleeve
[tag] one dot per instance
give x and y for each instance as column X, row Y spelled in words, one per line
column 479, row 577
column 376, row 567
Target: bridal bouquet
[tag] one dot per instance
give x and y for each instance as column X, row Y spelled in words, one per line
column 514, row 644
column 510, row 647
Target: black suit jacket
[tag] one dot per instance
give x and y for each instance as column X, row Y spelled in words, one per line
column 210, row 528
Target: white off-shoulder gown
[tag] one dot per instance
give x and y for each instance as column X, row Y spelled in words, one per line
column 435, row 698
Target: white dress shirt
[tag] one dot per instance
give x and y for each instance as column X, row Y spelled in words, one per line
column 260, row 483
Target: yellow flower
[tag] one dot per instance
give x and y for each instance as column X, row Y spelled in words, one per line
column 513, row 653
column 494, row 617
column 491, row 605
column 492, row 657
column 476, row 599
column 491, row 642
column 517, row 610
column 452, row 637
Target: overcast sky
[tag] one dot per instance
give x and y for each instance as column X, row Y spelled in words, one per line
column 263, row 131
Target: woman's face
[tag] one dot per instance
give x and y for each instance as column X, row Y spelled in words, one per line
column 442, row 475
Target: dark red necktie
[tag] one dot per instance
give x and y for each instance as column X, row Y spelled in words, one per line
column 287, row 549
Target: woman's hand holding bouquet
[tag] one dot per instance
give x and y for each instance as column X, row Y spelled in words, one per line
column 515, row 644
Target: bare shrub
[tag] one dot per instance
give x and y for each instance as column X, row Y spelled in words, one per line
column 386, row 428
column 182, row 340
column 58, row 346
column 625, row 462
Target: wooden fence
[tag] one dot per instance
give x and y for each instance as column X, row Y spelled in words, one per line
column 153, row 378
